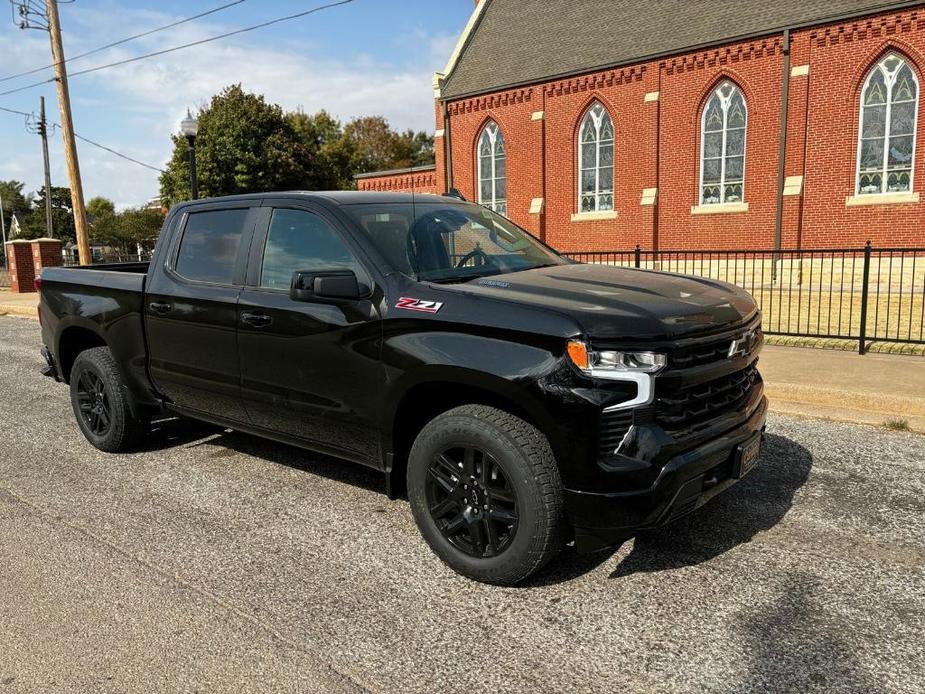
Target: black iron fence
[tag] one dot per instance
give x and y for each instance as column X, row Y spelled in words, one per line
column 864, row 294
column 101, row 257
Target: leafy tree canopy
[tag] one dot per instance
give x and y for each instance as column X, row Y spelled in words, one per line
column 247, row 145
column 125, row 231
column 100, row 207
column 14, row 201
column 62, row 217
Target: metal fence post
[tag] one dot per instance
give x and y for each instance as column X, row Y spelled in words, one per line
column 862, row 347
column 638, row 256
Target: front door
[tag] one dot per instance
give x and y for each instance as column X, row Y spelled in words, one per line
column 310, row 369
column 191, row 311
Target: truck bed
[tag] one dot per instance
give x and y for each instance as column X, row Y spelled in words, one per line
column 97, row 304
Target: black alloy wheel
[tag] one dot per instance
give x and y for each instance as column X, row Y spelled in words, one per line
column 471, row 501
column 101, row 403
column 486, row 495
column 93, row 402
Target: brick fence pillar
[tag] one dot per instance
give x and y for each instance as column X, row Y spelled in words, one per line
column 22, row 273
column 46, row 253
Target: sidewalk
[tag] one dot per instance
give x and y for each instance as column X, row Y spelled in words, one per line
column 822, row 383
column 845, row 386
column 18, row 304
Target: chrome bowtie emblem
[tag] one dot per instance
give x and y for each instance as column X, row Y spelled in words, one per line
column 741, row 346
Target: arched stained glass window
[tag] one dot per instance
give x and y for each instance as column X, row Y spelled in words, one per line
column 492, row 169
column 886, row 141
column 722, row 146
column 595, row 161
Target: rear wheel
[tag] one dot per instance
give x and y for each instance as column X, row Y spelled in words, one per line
column 100, row 402
column 485, row 492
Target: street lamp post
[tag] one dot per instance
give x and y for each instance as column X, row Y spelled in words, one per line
column 189, row 126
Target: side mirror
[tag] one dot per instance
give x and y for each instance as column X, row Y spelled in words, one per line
column 324, row 284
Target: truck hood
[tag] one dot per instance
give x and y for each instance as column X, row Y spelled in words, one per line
column 611, row 303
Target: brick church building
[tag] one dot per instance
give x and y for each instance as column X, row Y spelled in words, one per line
column 599, row 124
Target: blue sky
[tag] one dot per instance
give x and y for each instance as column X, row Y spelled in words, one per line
column 367, row 57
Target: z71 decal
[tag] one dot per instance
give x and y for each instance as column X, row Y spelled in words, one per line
column 419, row 305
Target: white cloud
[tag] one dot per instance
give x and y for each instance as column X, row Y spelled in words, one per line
column 149, row 97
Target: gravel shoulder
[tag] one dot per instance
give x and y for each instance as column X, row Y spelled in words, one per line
column 217, row 561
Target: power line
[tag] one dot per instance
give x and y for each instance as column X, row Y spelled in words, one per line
column 31, row 116
column 118, row 154
column 125, row 40
column 18, row 113
column 200, row 42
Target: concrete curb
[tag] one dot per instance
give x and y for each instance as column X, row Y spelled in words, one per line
column 19, row 311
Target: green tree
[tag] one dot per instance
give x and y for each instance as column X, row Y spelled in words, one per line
column 422, row 147
column 100, row 207
column 244, row 145
column 130, row 229
column 62, row 216
column 101, row 216
column 370, row 144
column 14, row 202
column 318, row 135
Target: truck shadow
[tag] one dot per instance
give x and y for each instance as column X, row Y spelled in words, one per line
column 756, row 504
column 732, row 518
column 182, row 432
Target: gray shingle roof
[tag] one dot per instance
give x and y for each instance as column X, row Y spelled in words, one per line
column 522, row 41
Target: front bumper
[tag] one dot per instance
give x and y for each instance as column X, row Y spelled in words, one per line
column 685, row 481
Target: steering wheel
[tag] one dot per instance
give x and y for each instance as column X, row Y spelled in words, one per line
column 474, row 253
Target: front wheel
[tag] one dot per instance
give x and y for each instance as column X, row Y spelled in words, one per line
column 486, row 495
column 100, row 402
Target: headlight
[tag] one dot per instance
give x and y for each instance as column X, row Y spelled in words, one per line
column 611, row 363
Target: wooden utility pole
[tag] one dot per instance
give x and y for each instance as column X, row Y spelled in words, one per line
column 67, row 132
column 43, row 133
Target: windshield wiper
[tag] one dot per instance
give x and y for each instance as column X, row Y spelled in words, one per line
column 452, row 279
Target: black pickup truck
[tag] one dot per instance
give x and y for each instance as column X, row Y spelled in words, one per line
column 523, row 401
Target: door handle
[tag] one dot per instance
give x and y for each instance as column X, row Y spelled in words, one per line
column 257, row 320
column 160, row 307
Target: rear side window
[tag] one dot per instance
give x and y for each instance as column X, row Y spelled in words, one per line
column 300, row 241
column 210, row 243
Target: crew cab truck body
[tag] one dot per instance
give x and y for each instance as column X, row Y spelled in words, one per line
column 522, row 399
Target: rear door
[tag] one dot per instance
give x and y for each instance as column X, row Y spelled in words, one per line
column 191, row 309
column 310, row 369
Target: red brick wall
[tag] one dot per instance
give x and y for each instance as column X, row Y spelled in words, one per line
column 657, row 144
column 839, row 59
column 523, row 146
column 418, row 181
column 46, row 253
column 22, row 272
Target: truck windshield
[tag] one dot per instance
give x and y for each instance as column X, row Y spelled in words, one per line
column 449, row 242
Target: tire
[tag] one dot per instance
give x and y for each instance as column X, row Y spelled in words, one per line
column 517, row 478
column 101, row 402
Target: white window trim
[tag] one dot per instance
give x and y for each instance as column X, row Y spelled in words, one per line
column 594, row 216
column 720, row 208
column 886, row 132
column 882, row 199
column 597, row 163
column 722, row 175
column 494, row 132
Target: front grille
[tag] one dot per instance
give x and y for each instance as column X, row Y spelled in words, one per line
column 614, row 426
column 682, row 410
column 709, row 353
column 687, row 357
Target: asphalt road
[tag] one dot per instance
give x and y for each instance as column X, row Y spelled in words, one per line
column 215, row 561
